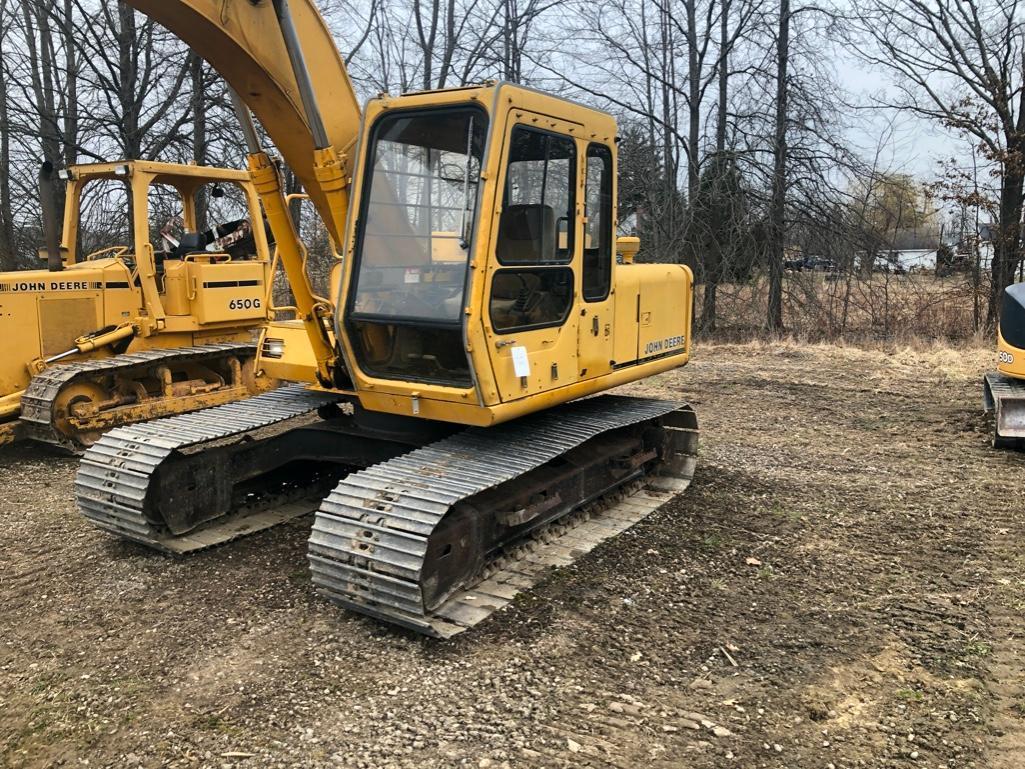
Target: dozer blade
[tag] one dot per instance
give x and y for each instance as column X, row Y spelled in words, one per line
column 438, row 539
column 1005, row 397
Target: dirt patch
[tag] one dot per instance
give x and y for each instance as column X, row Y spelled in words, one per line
column 839, row 587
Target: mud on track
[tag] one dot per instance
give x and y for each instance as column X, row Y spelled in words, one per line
column 842, row 585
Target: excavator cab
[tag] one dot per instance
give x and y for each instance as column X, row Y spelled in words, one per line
column 482, row 269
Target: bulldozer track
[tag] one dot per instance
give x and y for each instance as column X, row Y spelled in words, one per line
column 369, row 543
column 114, row 477
column 38, row 418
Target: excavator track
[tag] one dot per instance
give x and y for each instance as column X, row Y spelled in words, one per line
column 117, row 485
column 438, row 539
column 41, row 411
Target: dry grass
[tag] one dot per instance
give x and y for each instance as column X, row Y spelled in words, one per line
column 817, row 306
column 954, row 359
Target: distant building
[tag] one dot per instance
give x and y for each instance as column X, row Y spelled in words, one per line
column 915, row 259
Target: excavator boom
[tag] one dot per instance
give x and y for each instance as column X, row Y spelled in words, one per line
column 243, row 41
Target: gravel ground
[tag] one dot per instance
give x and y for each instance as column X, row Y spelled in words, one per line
column 840, row 587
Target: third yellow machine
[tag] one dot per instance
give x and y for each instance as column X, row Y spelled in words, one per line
column 443, row 438
column 143, row 324
column 1003, row 391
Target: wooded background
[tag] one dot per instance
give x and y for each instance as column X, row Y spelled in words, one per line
column 741, row 154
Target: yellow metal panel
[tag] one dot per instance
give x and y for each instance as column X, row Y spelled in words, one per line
column 21, row 344
column 468, row 414
column 664, row 310
column 1010, row 360
column 596, row 334
column 62, row 321
column 291, row 356
column 176, row 288
column 122, row 300
column 229, row 291
column 627, row 292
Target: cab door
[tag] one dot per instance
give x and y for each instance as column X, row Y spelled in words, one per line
column 530, row 324
column 596, row 326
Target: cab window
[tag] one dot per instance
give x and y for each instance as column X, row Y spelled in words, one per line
column 419, row 205
column 535, row 233
column 597, row 266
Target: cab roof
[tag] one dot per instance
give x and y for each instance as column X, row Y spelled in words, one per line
column 173, row 174
column 490, row 94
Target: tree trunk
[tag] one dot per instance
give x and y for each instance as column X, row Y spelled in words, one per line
column 427, row 38
column 1006, row 249
column 36, row 18
column 724, row 77
column 777, row 213
column 713, row 273
column 7, row 249
column 70, row 85
column 128, row 73
column 693, row 100
column 513, row 64
column 667, row 214
column 708, row 304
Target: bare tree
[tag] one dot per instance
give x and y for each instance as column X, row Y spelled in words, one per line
column 7, row 247
column 777, row 211
column 139, row 76
column 38, row 36
column 960, row 63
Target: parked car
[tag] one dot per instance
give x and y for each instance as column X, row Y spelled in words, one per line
column 811, row 264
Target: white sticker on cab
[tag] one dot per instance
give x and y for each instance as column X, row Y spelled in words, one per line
column 521, row 365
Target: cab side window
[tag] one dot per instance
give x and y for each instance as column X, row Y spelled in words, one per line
column 597, row 277
column 535, row 233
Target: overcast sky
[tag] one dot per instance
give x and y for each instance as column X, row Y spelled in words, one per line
column 916, row 145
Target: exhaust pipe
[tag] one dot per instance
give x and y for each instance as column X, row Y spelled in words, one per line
column 46, row 199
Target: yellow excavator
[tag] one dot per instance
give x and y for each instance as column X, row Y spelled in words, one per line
column 444, row 440
column 131, row 331
column 1003, row 391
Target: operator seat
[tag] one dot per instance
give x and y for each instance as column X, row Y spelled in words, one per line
column 190, row 243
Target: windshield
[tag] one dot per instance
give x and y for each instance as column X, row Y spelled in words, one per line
column 420, row 199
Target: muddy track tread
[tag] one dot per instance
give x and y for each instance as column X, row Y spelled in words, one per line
column 114, row 475
column 37, row 404
column 398, row 503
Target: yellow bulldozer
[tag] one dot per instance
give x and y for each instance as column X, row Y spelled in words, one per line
column 443, row 438
column 164, row 322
